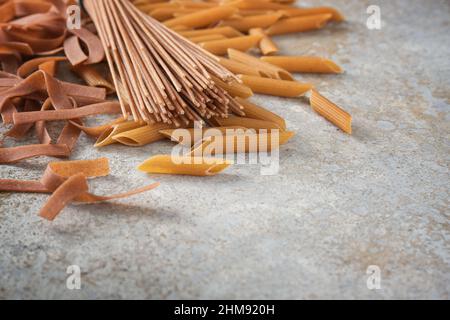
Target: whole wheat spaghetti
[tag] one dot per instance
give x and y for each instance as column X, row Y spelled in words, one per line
column 165, row 77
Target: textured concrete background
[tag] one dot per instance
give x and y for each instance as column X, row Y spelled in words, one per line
column 339, row 204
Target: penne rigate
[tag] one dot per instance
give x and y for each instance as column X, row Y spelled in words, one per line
column 220, row 47
column 274, row 87
column 331, row 112
column 142, row 135
column 256, row 112
column 266, row 45
column 228, row 32
column 93, row 78
column 249, row 123
column 247, row 23
column 238, row 67
column 235, row 89
column 106, row 137
column 304, row 64
column 202, row 18
column 265, row 69
column 187, row 165
column 190, row 136
column 241, row 141
column 299, row 24
column 297, row 12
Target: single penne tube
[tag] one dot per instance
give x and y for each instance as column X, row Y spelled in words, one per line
column 187, row 165
column 220, row 47
column 304, row 64
column 297, row 12
column 142, row 135
column 106, row 137
column 241, row 141
column 234, row 88
column 274, row 87
column 245, row 122
column 331, row 112
column 202, row 18
column 265, row 69
column 228, row 32
column 249, row 22
column 97, row 130
column 266, row 45
column 238, row 67
column 92, row 77
column 190, row 136
column 210, row 37
column 256, row 112
column 299, row 24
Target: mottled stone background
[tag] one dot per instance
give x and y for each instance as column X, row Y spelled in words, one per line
column 339, row 204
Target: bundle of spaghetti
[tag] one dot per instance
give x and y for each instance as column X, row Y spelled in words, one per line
column 67, row 182
column 165, row 77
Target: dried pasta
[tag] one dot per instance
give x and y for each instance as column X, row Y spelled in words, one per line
column 220, row 47
column 193, row 166
column 304, row 64
column 275, row 87
column 331, row 112
column 299, row 24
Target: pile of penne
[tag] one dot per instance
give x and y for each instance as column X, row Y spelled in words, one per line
column 230, row 29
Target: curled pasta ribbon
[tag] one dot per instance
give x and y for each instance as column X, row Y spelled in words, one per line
column 74, row 51
column 187, row 165
column 67, row 182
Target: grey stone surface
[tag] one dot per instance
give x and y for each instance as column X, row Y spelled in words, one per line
column 339, row 204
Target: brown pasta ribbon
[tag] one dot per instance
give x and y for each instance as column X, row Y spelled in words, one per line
column 67, row 182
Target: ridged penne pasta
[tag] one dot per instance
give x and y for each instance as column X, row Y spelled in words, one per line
column 228, row 32
column 93, row 78
column 256, row 112
column 304, row 64
column 247, row 123
column 247, row 23
column 195, row 135
column 211, row 37
column 265, row 69
column 299, row 24
column 193, row 166
column 238, row 67
column 220, row 47
column 273, row 87
column 106, row 137
column 234, row 88
column 331, row 112
column 266, row 45
column 241, row 141
column 142, row 135
column 297, row 12
column 202, row 18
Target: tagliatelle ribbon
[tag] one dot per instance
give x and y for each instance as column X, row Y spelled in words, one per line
column 67, row 181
